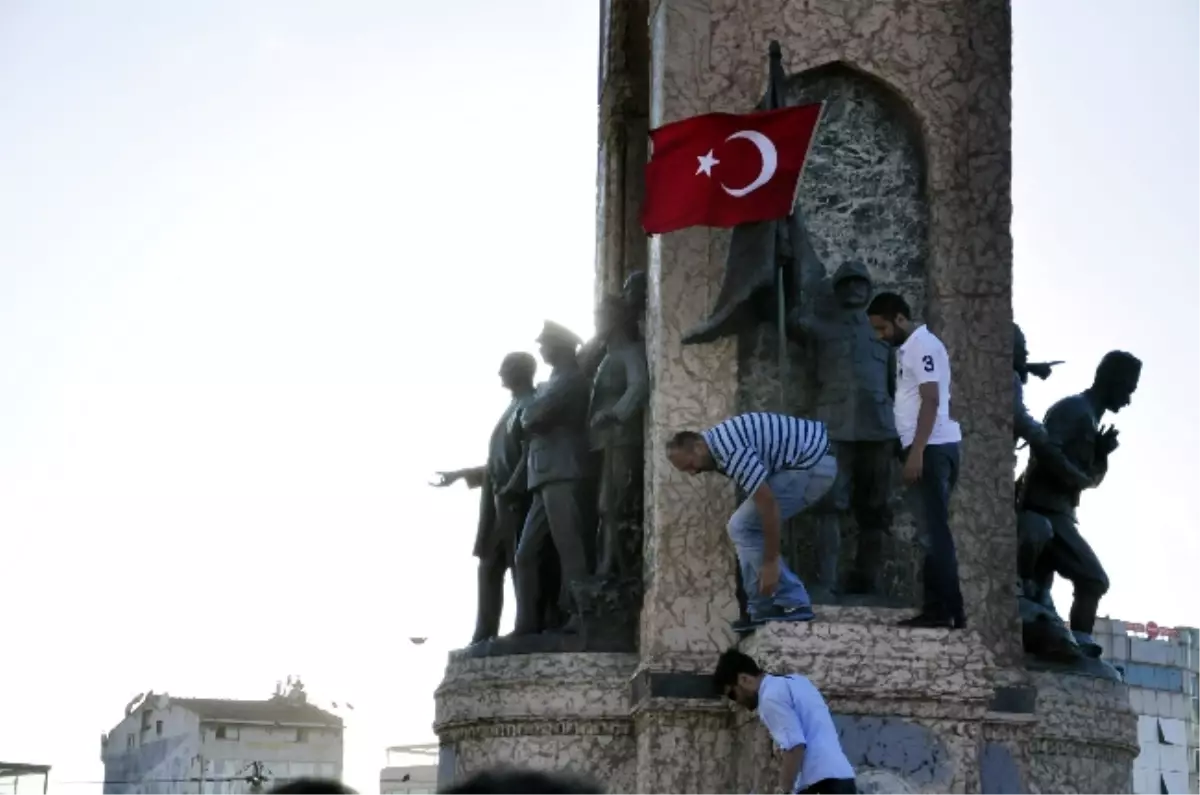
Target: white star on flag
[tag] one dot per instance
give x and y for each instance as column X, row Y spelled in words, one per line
column 707, row 161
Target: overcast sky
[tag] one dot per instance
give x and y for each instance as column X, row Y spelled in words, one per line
column 259, row 263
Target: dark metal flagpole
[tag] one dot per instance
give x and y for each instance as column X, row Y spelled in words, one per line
column 773, row 101
column 783, row 228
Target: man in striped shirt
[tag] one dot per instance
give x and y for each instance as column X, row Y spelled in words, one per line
column 782, row 465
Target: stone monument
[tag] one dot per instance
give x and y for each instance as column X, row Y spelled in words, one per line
column 909, row 174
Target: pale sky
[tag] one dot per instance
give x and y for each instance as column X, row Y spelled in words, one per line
column 259, row 263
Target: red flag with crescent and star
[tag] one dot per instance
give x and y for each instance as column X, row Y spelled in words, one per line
column 725, row 169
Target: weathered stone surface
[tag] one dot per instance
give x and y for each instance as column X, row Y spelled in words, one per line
column 918, row 710
column 1085, row 739
column 862, row 197
column 550, row 711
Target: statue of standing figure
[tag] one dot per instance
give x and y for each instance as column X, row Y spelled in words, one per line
column 504, row 499
column 619, row 394
column 1049, row 494
column 854, row 400
column 1045, row 634
column 555, row 421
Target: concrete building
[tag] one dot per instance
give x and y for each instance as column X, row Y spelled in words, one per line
column 1161, row 666
column 18, row 777
column 411, row 769
column 203, row 745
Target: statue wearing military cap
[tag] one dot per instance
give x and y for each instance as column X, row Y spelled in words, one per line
column 853, row 369
column 555, row 423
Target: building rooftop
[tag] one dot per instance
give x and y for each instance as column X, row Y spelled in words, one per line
column 274, row 710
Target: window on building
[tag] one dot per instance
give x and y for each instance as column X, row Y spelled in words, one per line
column 130, row 740
column 301, row 735
column 227, row 732
column 158, row 727
column 146, row 720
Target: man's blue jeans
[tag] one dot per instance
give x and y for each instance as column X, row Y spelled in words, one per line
column 929, row 501
column 794, row 490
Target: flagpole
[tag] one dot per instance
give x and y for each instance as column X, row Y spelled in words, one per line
column 780, row 287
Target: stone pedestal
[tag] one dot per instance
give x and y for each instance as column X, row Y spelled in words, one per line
column 565, row 711
column 918, row 710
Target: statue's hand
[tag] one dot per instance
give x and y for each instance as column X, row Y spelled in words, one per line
column 1107, row 441
column 603, row 419
column 444, row 479
column 1041, row 369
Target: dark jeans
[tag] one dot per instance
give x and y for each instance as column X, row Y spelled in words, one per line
column 929, row 500
column 834, row 786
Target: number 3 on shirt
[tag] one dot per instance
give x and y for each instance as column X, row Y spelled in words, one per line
column 927, row 362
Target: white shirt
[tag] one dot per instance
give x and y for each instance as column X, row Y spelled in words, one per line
column 795, row 714
column 922, row 359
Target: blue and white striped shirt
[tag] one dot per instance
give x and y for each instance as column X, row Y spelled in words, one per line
column 749, row 448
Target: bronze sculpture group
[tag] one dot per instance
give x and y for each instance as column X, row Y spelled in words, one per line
column 561, row 491
column 562, row 486
column 1069, row 453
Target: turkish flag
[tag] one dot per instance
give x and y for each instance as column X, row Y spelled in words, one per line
column 725, row 169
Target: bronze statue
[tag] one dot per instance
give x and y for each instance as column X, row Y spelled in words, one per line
column 633, row 297
column 1045, row 634
column 1051, row 494
column 854, row 400
column 504, row 499
column 555, row 421
column 747, row 295
column 619, row 394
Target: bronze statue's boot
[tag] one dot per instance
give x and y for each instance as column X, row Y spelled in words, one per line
column 1050, row 640
column 1087, row 644
column 829, row 547
column 864, row 579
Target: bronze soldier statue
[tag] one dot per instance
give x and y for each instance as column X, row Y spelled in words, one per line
column 633, row 296
column 555, row 421
column 1073, row 425
column 854, row 400
column 1045, row 634
column 504, row 499
column 619, row 394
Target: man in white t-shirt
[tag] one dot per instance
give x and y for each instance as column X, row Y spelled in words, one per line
column 798, row 720
column 930, row 442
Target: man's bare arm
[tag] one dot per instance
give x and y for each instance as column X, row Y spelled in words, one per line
column 926, row 415
column 789, row 770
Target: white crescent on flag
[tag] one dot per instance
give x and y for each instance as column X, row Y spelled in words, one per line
column 770, row 160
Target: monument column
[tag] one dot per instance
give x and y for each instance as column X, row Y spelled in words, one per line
column 689, row 565
column 623, row 138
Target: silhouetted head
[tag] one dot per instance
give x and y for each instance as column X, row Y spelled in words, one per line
column 511, row 780
column 852, row 285
column 611, row 314
column 688, row 452
column 1020, row 353
column 517, row 371
column 738, row 678
column 891, row 318
column 1117, row 379
column 558, row 344
column 633, row 293
column 314, row 786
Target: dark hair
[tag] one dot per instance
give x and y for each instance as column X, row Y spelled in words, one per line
column 730, row 666
column 1118, row 366
column 888, row 306
column 532, row 781
column 314, row 786
column 683, row 439
column 520, row 364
